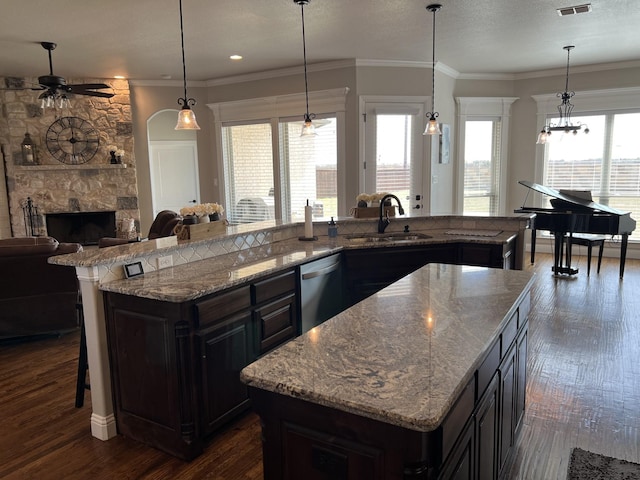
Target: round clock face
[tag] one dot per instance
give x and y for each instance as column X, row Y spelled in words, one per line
column 72, row 140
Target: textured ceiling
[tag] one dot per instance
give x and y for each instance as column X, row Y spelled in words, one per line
column 141, row 39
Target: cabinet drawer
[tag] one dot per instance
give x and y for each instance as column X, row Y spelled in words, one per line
column 223, row 305
column 273, row 287
column 509, row 333
column 488, row 368
column 523, row 310
column 277, row 322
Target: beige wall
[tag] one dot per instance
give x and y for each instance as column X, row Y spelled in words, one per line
column 402, row 81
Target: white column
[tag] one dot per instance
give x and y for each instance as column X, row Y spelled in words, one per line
column 103, row 420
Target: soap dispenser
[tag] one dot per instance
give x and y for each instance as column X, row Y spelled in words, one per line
column 333, row 229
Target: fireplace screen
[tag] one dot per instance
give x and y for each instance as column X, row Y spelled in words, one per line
column 85, row 228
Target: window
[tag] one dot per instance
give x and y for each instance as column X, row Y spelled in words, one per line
column 483, row 134
column 248, row 173
column 606, row 161
column 269, row 171
column 393, row 150
column 481, row 167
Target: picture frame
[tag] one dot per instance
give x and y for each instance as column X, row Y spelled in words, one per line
column 133, row 269
column 445, row 143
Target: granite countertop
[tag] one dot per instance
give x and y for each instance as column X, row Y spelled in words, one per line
column 408, row 369
column 196, row 279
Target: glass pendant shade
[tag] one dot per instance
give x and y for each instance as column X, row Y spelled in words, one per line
column 543, row 136
column 433, row 128
column 187, row 120
column 308, row 128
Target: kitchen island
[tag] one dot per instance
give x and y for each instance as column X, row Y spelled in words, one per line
column 425, row 379
column 192, row 271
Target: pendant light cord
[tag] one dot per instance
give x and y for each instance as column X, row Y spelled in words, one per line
column 184, row 68
column 566, row 85
column 304, row 56
column 433, row 64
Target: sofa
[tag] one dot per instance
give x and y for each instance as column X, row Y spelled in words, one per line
column 36, row 297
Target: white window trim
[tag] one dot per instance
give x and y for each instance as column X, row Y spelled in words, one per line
column 271, row 109
column 477, row 108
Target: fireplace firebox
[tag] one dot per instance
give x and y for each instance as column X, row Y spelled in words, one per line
column 85, row 228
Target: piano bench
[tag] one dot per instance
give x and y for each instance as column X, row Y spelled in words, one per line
column 588, row 241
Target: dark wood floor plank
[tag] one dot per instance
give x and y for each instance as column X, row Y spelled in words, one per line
column 583, row 391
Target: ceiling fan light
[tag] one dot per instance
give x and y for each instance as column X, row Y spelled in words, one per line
column 187, row 119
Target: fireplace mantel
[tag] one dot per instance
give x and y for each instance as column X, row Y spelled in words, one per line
column 84, row 166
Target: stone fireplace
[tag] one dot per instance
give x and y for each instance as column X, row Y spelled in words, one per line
column 59, row 189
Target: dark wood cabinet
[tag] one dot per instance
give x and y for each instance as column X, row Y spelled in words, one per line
column 370, row 270
column 176, row 366
column 225, row 348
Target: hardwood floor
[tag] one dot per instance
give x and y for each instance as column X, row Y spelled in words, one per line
column 583, row 390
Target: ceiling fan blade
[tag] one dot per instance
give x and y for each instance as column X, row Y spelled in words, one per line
column 89, row 86
column 91, row 93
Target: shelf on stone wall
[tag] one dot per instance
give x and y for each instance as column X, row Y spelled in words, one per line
column 84, row 166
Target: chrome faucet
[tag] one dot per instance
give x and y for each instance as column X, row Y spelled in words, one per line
column 384, row 222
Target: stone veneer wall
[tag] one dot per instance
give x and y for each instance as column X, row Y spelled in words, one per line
column 55, row 187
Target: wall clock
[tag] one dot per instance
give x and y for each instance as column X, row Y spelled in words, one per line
column 72, row 140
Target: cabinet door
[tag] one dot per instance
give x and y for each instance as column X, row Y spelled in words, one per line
column 277, row 322
column 508, row 374
column 521, row 384
column 225, row 349
column 487, row 432
column 460, row 464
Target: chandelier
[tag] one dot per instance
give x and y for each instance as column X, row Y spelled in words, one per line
column 186, row 116
column 564, row 109
column 432, row 126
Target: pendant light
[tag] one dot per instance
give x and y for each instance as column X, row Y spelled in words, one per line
column 432, row 126
column 564, row 109
column 308, row 129
column 186, row 116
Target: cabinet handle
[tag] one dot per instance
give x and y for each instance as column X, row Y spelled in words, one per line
column 322, row 271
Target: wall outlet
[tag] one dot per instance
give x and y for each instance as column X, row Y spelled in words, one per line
column 164, row 262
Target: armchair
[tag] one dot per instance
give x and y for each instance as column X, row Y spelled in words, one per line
column 162, row 226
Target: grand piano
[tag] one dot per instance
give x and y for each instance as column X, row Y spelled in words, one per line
column 576, row 213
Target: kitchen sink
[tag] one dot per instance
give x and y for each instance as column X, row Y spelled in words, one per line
column 386, row 237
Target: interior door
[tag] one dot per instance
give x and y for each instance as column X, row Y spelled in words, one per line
column 174, row 174
column 394, row 152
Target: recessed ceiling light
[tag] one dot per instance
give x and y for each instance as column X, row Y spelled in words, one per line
column 586, row 8
column 236, row 57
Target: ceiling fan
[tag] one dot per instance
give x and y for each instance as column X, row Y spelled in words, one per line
column 56, row 87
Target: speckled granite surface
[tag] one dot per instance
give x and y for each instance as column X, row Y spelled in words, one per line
column 403, row 355
column 202, row 277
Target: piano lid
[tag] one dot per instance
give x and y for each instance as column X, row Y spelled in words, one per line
column 580, row 202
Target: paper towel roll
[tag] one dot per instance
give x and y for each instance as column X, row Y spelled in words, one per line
column 308, row 225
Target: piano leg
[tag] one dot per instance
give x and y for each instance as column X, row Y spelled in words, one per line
column 558, row 268
column 533, row 245
column 623, row 252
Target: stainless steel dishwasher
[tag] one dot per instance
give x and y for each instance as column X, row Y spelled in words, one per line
column 321, row 291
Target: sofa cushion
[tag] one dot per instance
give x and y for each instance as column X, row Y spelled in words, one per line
column 11, row 247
